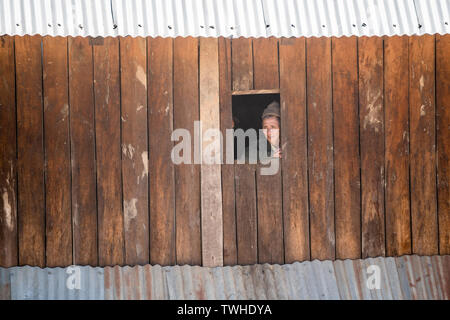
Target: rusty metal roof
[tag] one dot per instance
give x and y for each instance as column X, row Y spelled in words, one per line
column 230, row 18
column 407, row 277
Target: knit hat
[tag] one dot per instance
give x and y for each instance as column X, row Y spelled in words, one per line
column 273, row 109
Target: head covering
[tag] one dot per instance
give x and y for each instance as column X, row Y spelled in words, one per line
column 272, row 110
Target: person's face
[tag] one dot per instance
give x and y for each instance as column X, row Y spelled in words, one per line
column 271, row 127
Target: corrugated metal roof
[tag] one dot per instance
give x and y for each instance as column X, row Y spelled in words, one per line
column 407, row 277
column 213, row 18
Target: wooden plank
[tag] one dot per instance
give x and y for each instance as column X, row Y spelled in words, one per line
column 346, row 148
column 371, row 129
column 295, row 160
column 30, row 166
column 242, row 64
column 320, row 147
column 228, row 191
column 247, row 92
column 82, row 140
column 187, row 176
column 8, row 161
column 269, row 194
column 443, row 137
column 246, row 214
column 160, row 125
column 265, row 59
column 398, row 228
column 57, row 153
column 107, row 143
column 211, row 183
column 422, row 145
column 133, row 53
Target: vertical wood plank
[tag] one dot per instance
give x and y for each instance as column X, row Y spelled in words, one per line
column 30, row 167
column 228, row 190
column 295, row 160
column 265, row 60
column 8, row 160
column 269, row 193
column 242, row 64
column 320, row 147
column 82, row 140
column 398, row 228
column 160, row 125
column 135, row 149
column 246, row 214
column 443, row 137
column 422, row 145
column 371, row 128
column 211, row 184
column 57, row 153
column 107, row 143
column 346, row 148
column 187, row 176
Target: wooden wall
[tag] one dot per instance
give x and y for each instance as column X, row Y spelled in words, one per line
column 85, row 170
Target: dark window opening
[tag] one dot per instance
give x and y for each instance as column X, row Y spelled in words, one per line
column 247, row 111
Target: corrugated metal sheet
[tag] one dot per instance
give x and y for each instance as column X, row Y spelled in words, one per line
column 230, row 18
column 407, row 277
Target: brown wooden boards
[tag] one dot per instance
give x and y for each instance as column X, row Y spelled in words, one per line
column 8, row 163
column 346, row 148
column 371, row 130
column 246, row 213
column 211, row 184
column 161, row 167
column 422, row 145
column 228, row 191
column 107, row 142
column 133, row 53
column 294, row 161
column 398, row 232
column 187, row 176
column 443, row 138
column 320, row 147
column 30, row 151
column 57, row 153
column 242, row 64
column 265, row 63
column 82, row 137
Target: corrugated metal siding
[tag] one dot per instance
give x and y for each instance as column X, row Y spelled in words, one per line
column 213, row 18
column 407, row 277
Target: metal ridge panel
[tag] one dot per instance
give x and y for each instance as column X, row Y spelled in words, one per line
column 406, row 277
column 226, row 18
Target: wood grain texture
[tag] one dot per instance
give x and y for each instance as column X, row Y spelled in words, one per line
column 242, row 64
column 371, row 130
column 443, row 138
column 228, row 190
column 187, row 176
column 295, row 159
column 398, row 218
column 246, row 214
column 265, row 63
column 211, row 183
column 8, row 160
column 269, row 187
column 320, row 147
column 133, row 62
column 346, row 148
column 107, row 138
column 82, row 140
column 57, row 153
column 161, row 167
column 422, row 145
column 30, row 166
